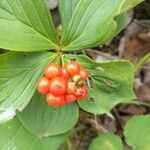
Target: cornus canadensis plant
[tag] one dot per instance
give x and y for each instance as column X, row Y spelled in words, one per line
column 37, row 58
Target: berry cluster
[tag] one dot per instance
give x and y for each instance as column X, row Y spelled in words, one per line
column 63, row 84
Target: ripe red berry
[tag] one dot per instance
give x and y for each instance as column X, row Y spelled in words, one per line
column 73, row 68
column 63, row 84
column 43, row 85
column 71, row 88
column 58, row 86
column 52, row 71
column 70, row 98
column 64, row 72
column 55, row 100
column 83, row 73
column 83, row 92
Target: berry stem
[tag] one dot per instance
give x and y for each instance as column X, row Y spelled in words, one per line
column 62, row 60
column 88, row 83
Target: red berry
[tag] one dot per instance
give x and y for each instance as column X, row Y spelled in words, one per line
column 55, row 100
column 70, row 98
column 83, row 73
column 52, row 71
column 83, row 92
column 43, row 85
column 58, row 86
column 73, row 68
column 71, row 88
column 64, row 72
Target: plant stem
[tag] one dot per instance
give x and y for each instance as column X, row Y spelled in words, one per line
column 88, row 84
column 98, row 127
column 145, row 59
column 96, row 121
column 69, row 145
column 141, row 103
column 62, row 59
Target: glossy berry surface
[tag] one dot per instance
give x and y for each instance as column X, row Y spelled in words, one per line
column 64, row 73
column 52, row 70
column 58, row 86
column 69, row 98
column 55, row 100
column 83, row 73
column 43, row 85
column 73, row 68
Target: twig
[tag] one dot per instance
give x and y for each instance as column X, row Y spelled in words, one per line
column 110, row 116
column 96, row 122
column 99, row 127
column 102, row 54
column 117, row 118
column 141, row 103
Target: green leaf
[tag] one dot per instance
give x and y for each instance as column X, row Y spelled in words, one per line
column 137, row 132
column 106, row 141
column 128, row 4
column 14, row 136
column 89, row 23
column 121, row 22
column 112, row 83
column 43, row 120
column 26, row 25
column 19, row 73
